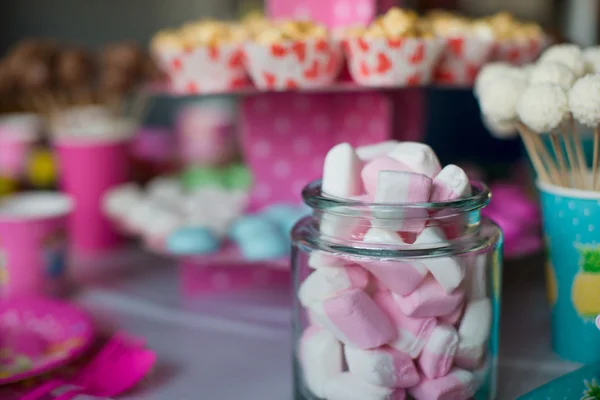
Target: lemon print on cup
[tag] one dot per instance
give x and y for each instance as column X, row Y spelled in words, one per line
column 551, row 285
column 586, row 285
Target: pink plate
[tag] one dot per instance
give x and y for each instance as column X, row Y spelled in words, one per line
column 65, row 330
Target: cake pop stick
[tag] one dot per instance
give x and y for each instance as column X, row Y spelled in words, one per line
column 595, row 159
column 558, row 153
column 539, row 166
column 577, row 173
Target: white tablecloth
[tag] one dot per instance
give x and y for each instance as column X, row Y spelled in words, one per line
column 237, row 346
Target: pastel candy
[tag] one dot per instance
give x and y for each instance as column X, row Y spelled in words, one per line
column 394, row 187
column 162, row 223
column 265, row 247
column 429, row 300
column 450, row 184
column 418, row 157
column 445, row 269
column 118, row 202
column 320, row 259
column 454, row 317
column 341, row 172
column 346, row 386
column 252, row 225
column 384, row 366
column 382, row 236
column 354, row 318
column 192, row 240
column 437, row 356
column 475, row 277
column 473, row 332
column 411, row 333
column 371, row 170
column 320, row 355
column 457, row 385
column 369, row 152
column 165, row 189
column 326, row 282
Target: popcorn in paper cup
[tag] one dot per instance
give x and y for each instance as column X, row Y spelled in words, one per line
column 392, row 62
column 293, row 64
column 205, row 57
column 462, row 60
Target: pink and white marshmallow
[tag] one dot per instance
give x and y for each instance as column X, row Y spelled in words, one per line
column 347, row 386
column 411, row 333
column 418, row 157
column 384, row 366
column 450, row 184
column 454, row 317
column 326, row 282
column 473, row 332
column 429, row 300
column 457, row 385
column 395, row 187
column 475, row 277
column 354, row 318
column 401, row 277
column 341, row 172
column 370, row 172
column 321, row 358
column 320, row 259
column 446, row 270
column 437, row 356
column 371, row 151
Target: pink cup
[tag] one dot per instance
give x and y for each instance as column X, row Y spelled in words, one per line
column 88, row 167
column 33, row 242
column 16, row 143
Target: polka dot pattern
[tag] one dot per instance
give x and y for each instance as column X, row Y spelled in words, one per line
column 287, row 135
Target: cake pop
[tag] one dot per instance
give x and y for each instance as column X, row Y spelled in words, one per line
column 584, row 100
column 592, row 59
column 552, row 72
column 489, row 73
column 543, row 107
column 500, row 129
column 499, row 100
column 567, row 54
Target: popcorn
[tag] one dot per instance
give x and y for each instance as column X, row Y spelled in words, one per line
column 584, row 100
column 507, row 28
column 553, row 72
column 290, row 31
column 449, row 25
column 396, row 23
column 543, row 107
column 567, row 54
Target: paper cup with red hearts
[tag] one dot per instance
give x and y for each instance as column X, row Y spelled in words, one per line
column 204, row 69
column 392, row 62
column 289, row 65
column 519, row 52
column 463, row 58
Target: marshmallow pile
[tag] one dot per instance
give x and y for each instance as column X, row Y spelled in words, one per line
column 381, row 328
column 563, row 82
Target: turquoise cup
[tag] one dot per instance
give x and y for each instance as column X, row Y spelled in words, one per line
column 572, row 228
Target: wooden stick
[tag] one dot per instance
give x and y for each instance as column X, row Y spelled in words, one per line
column 545, row 156
column 534, row 154
column 575, row 173
column 580, row 154
column 558, row 153
column 596, row 154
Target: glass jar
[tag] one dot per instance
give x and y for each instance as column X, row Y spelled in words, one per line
column 396, row 300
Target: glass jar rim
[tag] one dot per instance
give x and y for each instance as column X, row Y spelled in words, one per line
column 313, row 196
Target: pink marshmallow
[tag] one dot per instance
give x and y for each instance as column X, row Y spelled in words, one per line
column 384, row 366
column 341, row 172
column 454, row 317
column 450, row 184
column 412, row 333
column 401, row 277
column 447, row 271
column 418, row 157
column 429, row 300
column 354, row 318
column 371, row 170
column 320, row 355
column 326, row 282
column 438, row 354
column 371, row 151
column 473, row 332
column 457, row 385
column 320, row 259
column 346, row 386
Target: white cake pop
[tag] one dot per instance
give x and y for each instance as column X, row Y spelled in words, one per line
column 500, row 129
column 567, row 54
column 584, row 100
column 489, row 73
column 527, row 70
column 553, row 72
column 591, row 56
column 543, row 107
column 499, row 100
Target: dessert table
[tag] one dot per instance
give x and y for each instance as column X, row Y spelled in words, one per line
column 237, row 345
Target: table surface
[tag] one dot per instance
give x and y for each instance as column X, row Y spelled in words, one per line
column 203, row 343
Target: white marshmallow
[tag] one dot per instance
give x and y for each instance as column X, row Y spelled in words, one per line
column 321, row 359
column 446, row 270
column 367, row 153
column 325, row 282
column 450, row 184
column 118, row 202
column 139, row 216
column 384, row 366
column 382, row 236
column 474, row 331
column 475, row 277
column 346, row 386
column 165, row 189
column 397, row 187
column 438, row 354
column 341, row 172
column 319, row 259
column 162, row 223
column 418, row 157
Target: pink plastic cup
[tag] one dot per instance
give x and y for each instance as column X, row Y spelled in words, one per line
column 88, row 167
column 17, row 137
column 33, row 243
